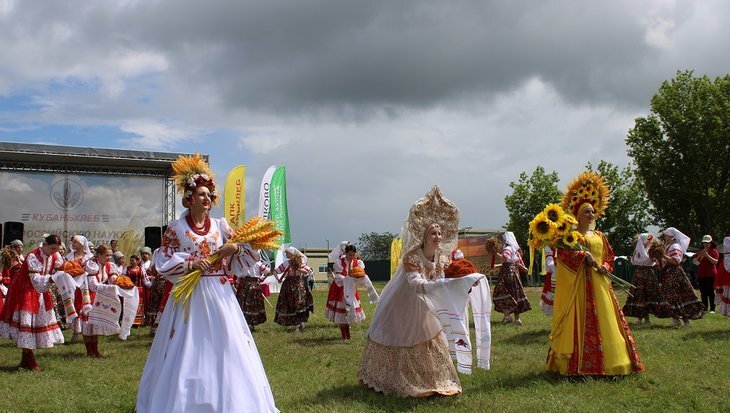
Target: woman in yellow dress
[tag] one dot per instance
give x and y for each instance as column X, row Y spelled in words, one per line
column 590, row 335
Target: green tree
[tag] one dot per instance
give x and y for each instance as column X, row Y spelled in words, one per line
column 682, row 153
column 529, row 197
column 628, row 212
column 374, row 246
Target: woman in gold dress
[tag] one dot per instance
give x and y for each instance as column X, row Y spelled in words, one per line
column 590, row 335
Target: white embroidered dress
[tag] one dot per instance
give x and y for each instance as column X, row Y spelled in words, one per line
column 209, row 361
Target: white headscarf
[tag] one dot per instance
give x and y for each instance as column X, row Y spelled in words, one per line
column 294, row 251
column 726, row 251
column 336, row 253
column 678, row 236
column 83, row 241
column 641, row 254
column 511, row 240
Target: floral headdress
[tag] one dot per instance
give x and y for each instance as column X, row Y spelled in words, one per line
column 588, row 187
column 191, row 172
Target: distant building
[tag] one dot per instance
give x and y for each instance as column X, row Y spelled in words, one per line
column 317, row 259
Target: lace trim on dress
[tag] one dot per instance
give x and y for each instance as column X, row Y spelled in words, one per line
column 418, row 371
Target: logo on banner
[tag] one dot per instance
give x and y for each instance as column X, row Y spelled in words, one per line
column 67, row 194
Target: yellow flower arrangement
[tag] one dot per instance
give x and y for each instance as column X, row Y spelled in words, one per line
column 534, row 243
column 571, row 239
column 554, row 213
column 563, row 228
column 541, row 227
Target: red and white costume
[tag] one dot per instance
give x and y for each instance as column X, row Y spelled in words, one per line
column 548, row 288
column 82, row 296
column 97, row 274
column 137, row 275
column 28, row 317
column 343, row 300
column 722, row 280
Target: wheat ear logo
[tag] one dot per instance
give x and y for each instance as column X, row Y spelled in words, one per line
column 67, row 194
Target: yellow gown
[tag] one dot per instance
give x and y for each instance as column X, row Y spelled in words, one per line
column 590, row 335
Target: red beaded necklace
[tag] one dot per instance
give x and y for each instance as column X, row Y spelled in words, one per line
column 198, row 231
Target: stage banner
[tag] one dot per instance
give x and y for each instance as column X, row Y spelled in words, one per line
column 396, row 247
column 235, row 197
column 100, row 207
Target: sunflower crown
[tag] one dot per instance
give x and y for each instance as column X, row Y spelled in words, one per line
column 190, row 172
column 587, row 187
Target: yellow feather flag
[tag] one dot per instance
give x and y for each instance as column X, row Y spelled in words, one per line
column 235, row 197
column 396, row 247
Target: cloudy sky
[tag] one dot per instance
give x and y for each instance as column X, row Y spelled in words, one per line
column 367, row 103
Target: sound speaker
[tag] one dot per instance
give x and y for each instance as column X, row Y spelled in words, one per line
column 12, row 231
column 152, row 237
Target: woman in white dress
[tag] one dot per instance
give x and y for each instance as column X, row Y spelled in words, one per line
column 203, row 357
column 407, row 349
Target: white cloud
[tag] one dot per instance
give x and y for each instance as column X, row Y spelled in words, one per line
column 658, row 33
column 157, row 134
column 263, row 141
column 17, row 185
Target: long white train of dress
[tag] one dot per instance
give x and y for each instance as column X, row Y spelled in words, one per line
column 208, row 363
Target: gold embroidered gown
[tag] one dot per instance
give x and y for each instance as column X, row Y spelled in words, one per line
column 590, row 335
column 407, row 351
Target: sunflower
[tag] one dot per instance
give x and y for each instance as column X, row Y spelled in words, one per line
column 571, row 219
column 554, row 213
column 563, row 227
column 541, row 227
column 570, row 239
column 534, row 243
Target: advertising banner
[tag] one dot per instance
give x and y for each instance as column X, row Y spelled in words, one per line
column 234, row 196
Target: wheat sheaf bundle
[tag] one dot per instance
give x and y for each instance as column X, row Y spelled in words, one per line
column 656, row 250
column 257, row 232
column 493, row 245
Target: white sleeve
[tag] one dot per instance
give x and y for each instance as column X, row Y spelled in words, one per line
column 169, row 260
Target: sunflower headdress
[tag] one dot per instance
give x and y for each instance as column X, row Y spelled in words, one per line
column 588, row 187
column 191, row 172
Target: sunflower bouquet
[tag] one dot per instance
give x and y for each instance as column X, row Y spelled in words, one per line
column 257, row 232
column 555, row 228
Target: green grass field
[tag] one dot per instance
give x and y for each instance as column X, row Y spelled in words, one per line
column 314, row 371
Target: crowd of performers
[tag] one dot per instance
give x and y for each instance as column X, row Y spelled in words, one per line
column 203, row 344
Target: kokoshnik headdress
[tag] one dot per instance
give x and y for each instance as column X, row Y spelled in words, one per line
column 191, row 172
column 590, row 188
column 433, row 208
